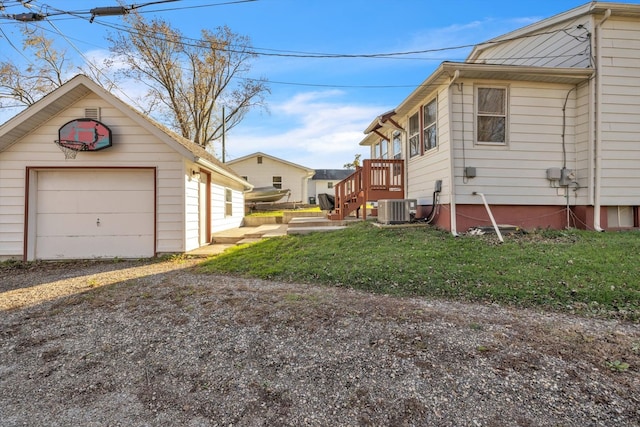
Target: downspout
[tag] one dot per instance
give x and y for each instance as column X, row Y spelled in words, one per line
column 598, row 137
column 452, row 185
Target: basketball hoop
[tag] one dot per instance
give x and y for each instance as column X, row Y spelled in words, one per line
column 70, row 148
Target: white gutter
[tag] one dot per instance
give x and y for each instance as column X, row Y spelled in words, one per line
column 221, row 171
column 452, row 185
column 598, row 142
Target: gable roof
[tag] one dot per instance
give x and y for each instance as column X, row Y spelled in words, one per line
column 591, row 8
column 332, row 174
column 275, row 159
column 79, row 87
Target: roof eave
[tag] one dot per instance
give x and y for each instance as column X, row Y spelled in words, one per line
column 590, row 8
column 38, row 113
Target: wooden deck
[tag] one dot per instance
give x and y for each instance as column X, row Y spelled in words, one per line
column 375, row 180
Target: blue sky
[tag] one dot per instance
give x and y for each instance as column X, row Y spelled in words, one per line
column 318, row 107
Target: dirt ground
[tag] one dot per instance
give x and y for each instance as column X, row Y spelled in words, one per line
column 159, row 344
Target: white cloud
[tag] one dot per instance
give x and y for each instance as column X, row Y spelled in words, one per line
column 315, row 129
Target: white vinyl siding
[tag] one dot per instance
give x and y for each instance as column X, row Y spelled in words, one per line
column 620, row 112
column 423, row 171
column 583, row 140
column 293, row 178
column 515, row 174
column 192, row 213
column 133, row 147
column 219, row 220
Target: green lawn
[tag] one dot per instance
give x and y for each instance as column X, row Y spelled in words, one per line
column 576, row 271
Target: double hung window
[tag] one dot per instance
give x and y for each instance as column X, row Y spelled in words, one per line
column 414, row 135
column 429, row 130
column 491, row 115
column 397, row 145
column 384, row 149
column 277, row 182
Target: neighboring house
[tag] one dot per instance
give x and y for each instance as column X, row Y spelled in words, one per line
column 263, row 170
column 143, row 191
column 324, row 181
column 544, row 122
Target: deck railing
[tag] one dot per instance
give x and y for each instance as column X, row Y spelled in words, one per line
column 375, row 180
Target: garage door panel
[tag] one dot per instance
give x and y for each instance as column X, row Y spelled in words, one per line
column 89, row 247
column 94, row 201
column 100, row 179
column 87, row 213
column 125, row 224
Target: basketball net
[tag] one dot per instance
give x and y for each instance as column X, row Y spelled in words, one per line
column 69, row 152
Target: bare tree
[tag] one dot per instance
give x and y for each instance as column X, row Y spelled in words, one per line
column 191, row 79
column 43, row 70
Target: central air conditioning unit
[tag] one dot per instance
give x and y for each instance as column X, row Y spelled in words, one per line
column 395, row 211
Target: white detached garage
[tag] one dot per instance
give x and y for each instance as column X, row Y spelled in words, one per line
column 140, row 192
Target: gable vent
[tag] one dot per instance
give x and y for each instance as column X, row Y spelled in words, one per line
column 92, row 113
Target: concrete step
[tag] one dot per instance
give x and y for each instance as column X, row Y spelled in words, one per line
column 262, row 230
column 248, row 240
column 314, row 222
column 307, row 230
column 236, row 235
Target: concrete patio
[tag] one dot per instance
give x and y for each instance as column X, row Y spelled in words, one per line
column 238, row 236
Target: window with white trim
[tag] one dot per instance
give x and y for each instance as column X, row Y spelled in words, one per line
column 384, row 149
column 376, row 150
column 429, row 127
column 491, row 115
column 228, row 202
column 397, row 145
column 414, row 135
column 277, row 182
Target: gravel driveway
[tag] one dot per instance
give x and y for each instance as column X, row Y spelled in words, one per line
column 159, row 344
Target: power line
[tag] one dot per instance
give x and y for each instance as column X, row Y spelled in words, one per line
column 309, row 55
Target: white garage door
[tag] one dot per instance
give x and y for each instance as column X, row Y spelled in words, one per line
column 96, row 213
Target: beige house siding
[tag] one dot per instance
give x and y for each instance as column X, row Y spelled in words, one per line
column 138, row 143
column 321, row 186
column 515, row 173
column 620, row 112
column 130, row 149
column 559, row 45
column 435, row 164
column 261, row 175
column 219, row 220
column 583, row 144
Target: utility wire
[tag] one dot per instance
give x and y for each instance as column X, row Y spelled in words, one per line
column 302, row 54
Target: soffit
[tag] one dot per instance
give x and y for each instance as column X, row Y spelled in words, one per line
column 35, row 116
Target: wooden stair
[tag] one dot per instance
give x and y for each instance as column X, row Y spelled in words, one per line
column 375, row 180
